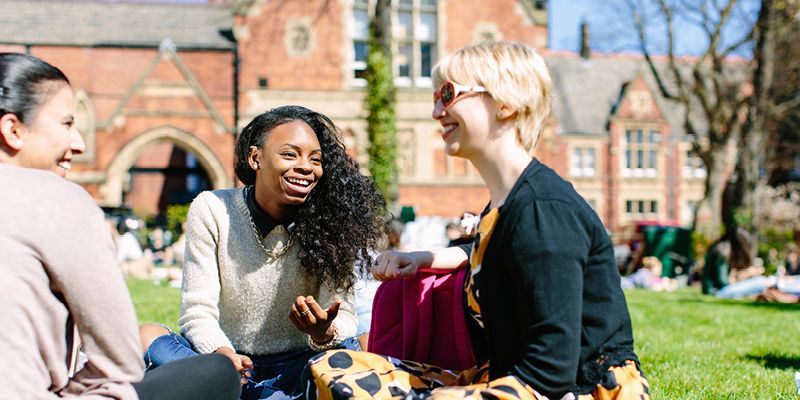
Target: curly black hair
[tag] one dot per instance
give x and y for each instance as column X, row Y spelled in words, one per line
column 342, row 218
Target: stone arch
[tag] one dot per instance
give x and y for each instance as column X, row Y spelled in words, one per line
column 111, row 190
column 85, row 122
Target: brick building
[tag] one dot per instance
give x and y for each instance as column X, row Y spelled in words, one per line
column 158, row 114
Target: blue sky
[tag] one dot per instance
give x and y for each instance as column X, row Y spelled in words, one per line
column 611, row 27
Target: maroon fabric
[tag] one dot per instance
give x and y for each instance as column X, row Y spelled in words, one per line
column 422, row 319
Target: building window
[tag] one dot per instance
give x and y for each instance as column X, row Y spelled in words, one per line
column 641, row 209
column 641, row 152
column 693, row 166
column 360, row 34
column 414, row 28
column 583, row 161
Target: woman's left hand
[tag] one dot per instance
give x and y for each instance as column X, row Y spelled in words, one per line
column 309, row 317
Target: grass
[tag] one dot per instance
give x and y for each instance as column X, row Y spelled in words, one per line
column 158, row 304
column 691, row 346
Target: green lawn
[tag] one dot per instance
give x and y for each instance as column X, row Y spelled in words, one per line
column 691, row 346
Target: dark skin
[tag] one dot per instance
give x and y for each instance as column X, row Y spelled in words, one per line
column 288, row 166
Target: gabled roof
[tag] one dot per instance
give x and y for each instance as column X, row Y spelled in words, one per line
column 99, row 23
column 585, row 91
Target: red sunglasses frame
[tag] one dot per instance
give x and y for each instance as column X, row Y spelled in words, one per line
column 457, row 91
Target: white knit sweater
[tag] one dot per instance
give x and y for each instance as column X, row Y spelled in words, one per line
column 235, row 295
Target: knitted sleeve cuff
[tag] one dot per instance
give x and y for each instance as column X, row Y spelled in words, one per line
column 207, row 342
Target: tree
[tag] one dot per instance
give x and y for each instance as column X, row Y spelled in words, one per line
column 380, row 104
column 783, row 146
column 714, row 91
column 773, row 107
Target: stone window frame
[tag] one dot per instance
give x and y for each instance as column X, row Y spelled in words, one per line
column 641, row 208
column 418, row 66
column 580, row 165
column 640, row 143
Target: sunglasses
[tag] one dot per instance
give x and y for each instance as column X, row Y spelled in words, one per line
column 450, row 90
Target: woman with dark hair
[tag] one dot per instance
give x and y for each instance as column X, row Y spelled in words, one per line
column 61, row 288
column 286, row 242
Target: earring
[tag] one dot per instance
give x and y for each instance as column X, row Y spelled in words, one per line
column 257, row 167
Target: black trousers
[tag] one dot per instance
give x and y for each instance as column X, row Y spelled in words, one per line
column 206, row 377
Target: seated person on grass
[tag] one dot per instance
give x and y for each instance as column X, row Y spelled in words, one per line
column 269, row 267
column 61, row 287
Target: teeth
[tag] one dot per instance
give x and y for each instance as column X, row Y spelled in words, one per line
column 448, row 128
column 296, row 181
column 65, row 164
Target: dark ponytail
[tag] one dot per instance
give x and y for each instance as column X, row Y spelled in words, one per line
column 26, row 82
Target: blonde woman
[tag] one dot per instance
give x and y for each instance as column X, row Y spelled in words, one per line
column 546, row 314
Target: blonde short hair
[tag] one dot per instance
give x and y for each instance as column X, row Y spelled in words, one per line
column 513, row 74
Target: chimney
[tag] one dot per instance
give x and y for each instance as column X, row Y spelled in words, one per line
column 584, row 51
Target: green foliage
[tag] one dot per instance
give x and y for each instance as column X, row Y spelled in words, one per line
column 381, row 131
column 176, row 216
column 772, row 247
column 691, row 346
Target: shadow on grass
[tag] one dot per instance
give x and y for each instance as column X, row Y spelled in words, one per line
column 749, row 303
column 776, row 361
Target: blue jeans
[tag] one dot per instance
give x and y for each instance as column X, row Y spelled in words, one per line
column 749, row 287
column 273, row 375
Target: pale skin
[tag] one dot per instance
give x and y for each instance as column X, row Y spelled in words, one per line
column 49, row 141
column 478, row 128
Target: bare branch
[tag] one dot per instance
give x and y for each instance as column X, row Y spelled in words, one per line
column 787, row 105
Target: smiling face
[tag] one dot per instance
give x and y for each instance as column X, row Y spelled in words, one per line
column 466, row 122
column 50, row 140
column 288, row 167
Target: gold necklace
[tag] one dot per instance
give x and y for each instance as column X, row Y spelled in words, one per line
column 271, row 253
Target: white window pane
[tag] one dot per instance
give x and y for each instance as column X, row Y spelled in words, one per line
column 404, row 60
column 360, row 24
column 427, row 27
column 639, row 136
column 428, row 3
column 577, row 154
column 404, row 25
column 628, row 159
column 406, row 2
column 589, row 158
column 652, row 159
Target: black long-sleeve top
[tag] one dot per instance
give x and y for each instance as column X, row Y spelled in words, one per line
column 550, row 299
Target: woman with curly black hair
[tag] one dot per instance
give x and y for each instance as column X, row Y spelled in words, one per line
column 287, row 241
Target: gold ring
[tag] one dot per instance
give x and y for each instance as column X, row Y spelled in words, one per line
column 306, row 312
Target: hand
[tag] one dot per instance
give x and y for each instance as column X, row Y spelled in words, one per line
column 309, row 317
column 241, row 362
column 394, row 264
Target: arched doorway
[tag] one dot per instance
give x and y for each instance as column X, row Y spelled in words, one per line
column 162, row 166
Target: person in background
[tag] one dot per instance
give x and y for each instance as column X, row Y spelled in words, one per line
column 792, row 264
column 61, row 289
column 133, row 261
column 546, row 314
column 269, row 267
